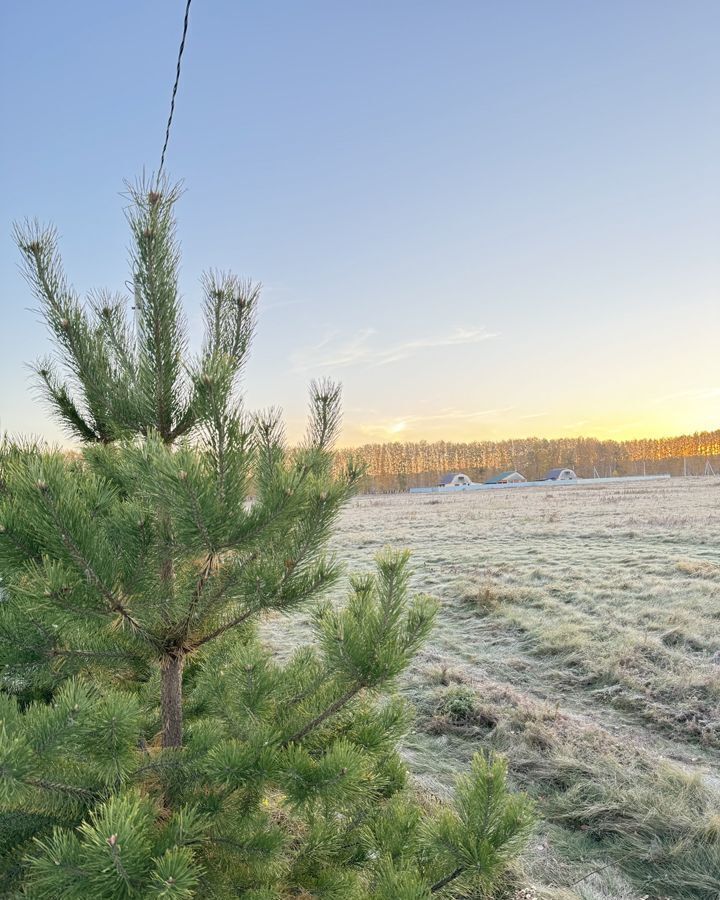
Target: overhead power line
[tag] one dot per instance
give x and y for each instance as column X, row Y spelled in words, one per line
column 175, row 87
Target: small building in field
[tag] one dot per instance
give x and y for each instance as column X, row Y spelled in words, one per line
column 454, row 479
column 511, row 477
column 560, row 474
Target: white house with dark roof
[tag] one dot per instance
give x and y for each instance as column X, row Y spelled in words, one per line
column 454, row 480
column 511, row 477
column 560, row 474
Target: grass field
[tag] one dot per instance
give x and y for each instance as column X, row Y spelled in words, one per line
column 579, row 634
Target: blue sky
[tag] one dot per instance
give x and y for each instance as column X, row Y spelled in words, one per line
column 487, row 219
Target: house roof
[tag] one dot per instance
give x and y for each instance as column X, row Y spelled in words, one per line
column 447, row 479
column 496, row 479
column 555, row 473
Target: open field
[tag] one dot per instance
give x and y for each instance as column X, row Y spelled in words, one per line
column 579, row 634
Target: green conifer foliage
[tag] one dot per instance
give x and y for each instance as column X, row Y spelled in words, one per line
column 150, row 744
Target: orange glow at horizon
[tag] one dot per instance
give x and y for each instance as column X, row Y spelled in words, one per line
column 652, row 424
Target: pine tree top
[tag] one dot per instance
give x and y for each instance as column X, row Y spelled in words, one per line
column 121, row 366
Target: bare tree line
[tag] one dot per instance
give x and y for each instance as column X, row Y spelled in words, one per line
column 398, row 465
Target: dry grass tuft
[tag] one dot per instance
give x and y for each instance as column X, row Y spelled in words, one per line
column 698, row 568
column 488, row 596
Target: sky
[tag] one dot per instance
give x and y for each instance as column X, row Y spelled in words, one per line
column 487, row 220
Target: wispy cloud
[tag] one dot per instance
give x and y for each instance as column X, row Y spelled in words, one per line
column 454, row 414
column 396, row 426
column 700, row 393
column 334, row 352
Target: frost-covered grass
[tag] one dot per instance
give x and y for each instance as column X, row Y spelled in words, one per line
column 579, row 634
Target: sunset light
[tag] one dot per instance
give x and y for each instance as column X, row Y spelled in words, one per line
column 360, row 450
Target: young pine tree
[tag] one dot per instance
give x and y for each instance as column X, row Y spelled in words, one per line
column 151, row 745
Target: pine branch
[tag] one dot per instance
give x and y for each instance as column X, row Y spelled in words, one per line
column 66, row 406
column 118, row 863
column 199, row 519
column 233, row 623
column 11, row 535
column 443, row 882
column 334, row 707
column 162, row 337
column 57, row 787
column 265, row 525
column 307, row 691
column 203, row 578
column 58, row 599
column 110, row 313
column 96, row 654
column 325, row 414
column 228, row 578
column 85, row 566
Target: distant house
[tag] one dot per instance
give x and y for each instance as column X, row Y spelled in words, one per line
column 454, row 480
column 560, row 475
column 511, row 477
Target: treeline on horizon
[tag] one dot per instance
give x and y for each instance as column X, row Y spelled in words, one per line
column 399, row 465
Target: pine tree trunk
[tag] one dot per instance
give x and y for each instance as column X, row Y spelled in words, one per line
column 171, row 672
